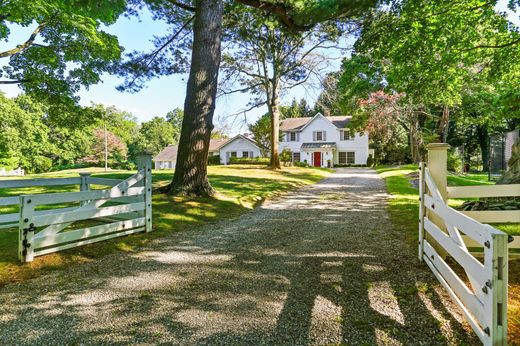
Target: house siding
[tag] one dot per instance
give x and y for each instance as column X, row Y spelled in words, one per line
column 238, row 145
column 357, row 144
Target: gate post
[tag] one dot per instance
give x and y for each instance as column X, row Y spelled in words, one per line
column 144, row 163
column 84, row 184
column 26, row 230
column 422, row 209
column 438, row 168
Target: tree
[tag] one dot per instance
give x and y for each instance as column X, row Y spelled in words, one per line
column 117, row 150
column 297, row 109
column 24, row 138
column 206, row 19
column 65, row 51
column 156, row 134
column 175, row 119
column 266, row 60
column 431, row 50
column 261, row 131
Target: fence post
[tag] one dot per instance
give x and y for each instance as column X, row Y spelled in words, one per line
column 438, row 168
column 422, row 186
column 84, row 184
column 496, row 264
column 144, row 163
column 26, row 230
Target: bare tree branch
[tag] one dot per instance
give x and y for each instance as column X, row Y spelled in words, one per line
column 13, row 81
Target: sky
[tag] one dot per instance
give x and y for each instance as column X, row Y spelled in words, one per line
column 166, row 93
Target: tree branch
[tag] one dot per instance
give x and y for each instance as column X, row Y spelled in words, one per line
column 279, row 10
column 498, row 46
column 13, row 81
column 24, row 45
column 183, row 5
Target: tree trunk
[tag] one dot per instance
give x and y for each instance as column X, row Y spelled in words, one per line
column 190, row 177
column 483, row 142
column 444, row 124
column 274, row 110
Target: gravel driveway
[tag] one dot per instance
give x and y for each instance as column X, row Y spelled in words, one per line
column 319, row 266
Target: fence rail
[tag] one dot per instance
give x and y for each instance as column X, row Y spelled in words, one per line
column 48, row 223
column 14, row 172
column 481, row 293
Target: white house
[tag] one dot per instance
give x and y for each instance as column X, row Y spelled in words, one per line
column 323, row 141
column 239, row 146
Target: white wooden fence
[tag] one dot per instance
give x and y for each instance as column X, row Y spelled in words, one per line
column 95, row 215
column 14, row 172
column 482, row 296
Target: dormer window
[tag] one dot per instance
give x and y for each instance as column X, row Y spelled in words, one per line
column 319, row 136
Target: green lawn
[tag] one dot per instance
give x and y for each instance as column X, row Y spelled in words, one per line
column 240, row 188
column 404, row 214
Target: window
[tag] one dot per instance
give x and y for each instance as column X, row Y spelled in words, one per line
column 346, row 157
column 345, row 136
column 295, row 157
column 233, row 154
column 292, row 136
column 320, row 136
column 351, row 157
column 245, row 154
column 210, row 153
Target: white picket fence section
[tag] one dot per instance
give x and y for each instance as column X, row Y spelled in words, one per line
column 122, row 209
column 14, row 172
column 482, row 297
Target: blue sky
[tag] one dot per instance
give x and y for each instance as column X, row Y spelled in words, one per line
column 164, row 94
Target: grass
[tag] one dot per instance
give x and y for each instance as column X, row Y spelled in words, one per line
column 404, row 210
column 240, row 188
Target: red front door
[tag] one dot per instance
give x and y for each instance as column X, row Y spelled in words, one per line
column 317, row 159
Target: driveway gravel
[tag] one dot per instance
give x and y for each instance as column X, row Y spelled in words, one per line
column 321, row 265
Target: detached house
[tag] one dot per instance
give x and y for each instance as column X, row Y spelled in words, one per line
column 239, row 146
column 323, row 141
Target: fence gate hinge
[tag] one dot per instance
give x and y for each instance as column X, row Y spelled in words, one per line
column 486, row 330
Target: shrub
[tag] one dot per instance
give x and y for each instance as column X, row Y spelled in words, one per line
column 370, row 161
column 214, row 160
column 454, row 162
column 249, row 161
column 286, row 155
column 301, row 164
column 40, row 164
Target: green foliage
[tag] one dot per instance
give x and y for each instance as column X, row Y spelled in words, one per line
column 370, row 161
column 214, row 160
column 261, row 131
column 286, row 155
column 249, row 161
column 454, row 162
column 156, row 134
column 73, row 53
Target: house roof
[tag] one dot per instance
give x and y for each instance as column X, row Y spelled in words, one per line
column 167, row 154
column 170, row 152
column 319, row 145
column 297, row 124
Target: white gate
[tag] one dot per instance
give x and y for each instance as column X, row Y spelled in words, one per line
column 123, row 209
column 482, row 297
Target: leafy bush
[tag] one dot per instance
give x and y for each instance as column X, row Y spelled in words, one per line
column 301, row 164
column 454, row 162
column 40, row 164
column 370, row 161
column 286, row 155
column 249, row 161
column 350, row 165
column 69, row 166
column 214, row 160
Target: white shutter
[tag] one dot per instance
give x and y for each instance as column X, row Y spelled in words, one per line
column 324, row 136
column 251, row 154
column 297, row 136
column 314, row 136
